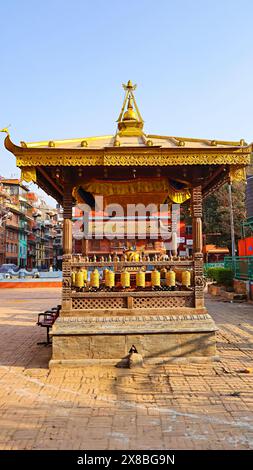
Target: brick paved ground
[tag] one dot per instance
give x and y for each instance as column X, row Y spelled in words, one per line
column 167, row 407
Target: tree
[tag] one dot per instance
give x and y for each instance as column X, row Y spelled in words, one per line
column 216, row 216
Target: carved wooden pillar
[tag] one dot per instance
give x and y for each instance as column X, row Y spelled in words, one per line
column 85, row 246
column 67, row 248
column 67, row 222
column 196, row 204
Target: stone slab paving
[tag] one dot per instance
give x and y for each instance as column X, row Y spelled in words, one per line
column 190, row 406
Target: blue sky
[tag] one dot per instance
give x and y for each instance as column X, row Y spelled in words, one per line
column 62, row 64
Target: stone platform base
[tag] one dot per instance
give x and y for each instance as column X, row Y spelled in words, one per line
column 80, row 341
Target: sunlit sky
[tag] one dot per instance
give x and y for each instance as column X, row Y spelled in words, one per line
column 62, row 64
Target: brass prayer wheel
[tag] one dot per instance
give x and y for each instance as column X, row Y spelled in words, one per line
column 85, row 274
column 94, row 278
column 79, row 279
column 186, row 278
column 125, row 279
column 170, row 279
column 155, row 278
column 140, row 279
column 110, row 278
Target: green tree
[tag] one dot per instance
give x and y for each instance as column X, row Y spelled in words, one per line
column 216, row 215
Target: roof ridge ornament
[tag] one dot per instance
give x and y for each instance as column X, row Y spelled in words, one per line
column 130, row 122
column 6, row 129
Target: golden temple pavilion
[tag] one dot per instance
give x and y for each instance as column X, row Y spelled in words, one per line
column 110, row 304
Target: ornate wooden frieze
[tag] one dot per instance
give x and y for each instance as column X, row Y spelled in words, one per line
column 49, row 155
column 129, row 159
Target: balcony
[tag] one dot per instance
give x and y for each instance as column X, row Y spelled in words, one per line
column 58, row 241
column 48, row 223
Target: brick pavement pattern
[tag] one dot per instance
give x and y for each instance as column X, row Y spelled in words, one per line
column 173, row 406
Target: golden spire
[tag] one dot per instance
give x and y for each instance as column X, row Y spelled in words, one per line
column 130, row 113
column 130, row 122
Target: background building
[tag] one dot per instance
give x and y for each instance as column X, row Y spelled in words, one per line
column 30, row 230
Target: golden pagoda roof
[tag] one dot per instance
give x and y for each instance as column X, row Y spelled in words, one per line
column 144, row 140
column 129, row 146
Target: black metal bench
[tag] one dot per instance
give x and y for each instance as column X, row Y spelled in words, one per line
column 46, row 319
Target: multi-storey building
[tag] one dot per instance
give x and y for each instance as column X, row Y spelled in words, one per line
column 44, row 232
column 17, row 227
column 4, row 214
column 58, row 239
column 28, row 227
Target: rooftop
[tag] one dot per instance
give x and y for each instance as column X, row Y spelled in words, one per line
column 130, row 133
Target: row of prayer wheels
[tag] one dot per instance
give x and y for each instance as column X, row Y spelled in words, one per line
column 80, row 278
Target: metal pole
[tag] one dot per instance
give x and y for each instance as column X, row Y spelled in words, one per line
column 231, row 219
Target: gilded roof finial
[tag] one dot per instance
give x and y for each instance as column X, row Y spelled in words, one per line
column 130, row 122
column 6, row 129
column 129, row 86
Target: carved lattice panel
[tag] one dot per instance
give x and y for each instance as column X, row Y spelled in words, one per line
column 66, row 281
column 98, row 303
column 163, row 302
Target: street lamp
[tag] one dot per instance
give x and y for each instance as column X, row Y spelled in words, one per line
column 232, row 227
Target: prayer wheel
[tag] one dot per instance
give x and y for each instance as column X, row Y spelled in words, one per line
column 110, row 278
column 79, row 279
column 163, row 273
column 186, row 278
column 106, row 272
column 125, row 279
column 94, row 279
column 140, row 279
column 85, row 275
column 170, row 279
column 155, row 278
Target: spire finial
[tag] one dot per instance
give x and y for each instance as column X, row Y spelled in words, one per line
column 130, row 121
column 129, row 86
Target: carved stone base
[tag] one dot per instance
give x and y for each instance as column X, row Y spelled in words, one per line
column 79, row 341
